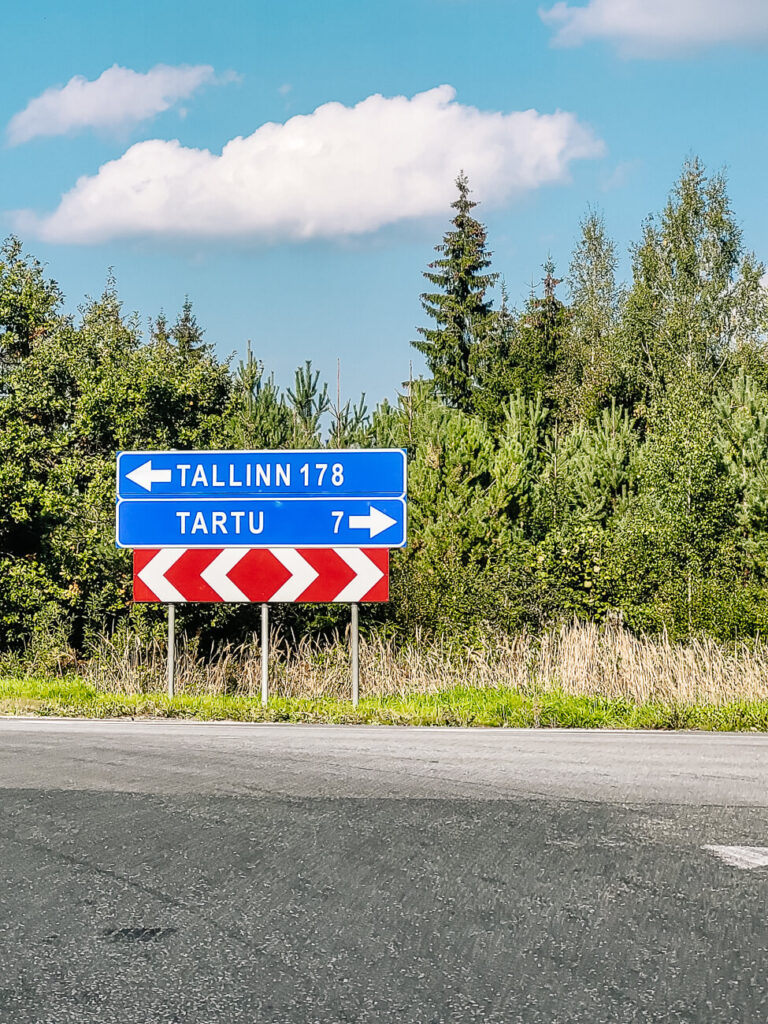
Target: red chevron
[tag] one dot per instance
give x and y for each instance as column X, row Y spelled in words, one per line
column 141, row 591
column 259, row 574
column 333, row 573
column 185, row 575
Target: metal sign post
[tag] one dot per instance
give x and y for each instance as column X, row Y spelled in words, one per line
column 264, row 653
column 171, row 647
column 355, row 645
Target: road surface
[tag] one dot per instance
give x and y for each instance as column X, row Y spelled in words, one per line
column 163, row 872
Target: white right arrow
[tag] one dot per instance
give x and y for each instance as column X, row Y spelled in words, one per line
column 302, row 574
column 375, row 521
column 145, row 476
column 368, row 574
column 153, row 575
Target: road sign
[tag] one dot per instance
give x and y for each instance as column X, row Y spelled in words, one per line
column 177, row 575
column 322, row 473
column 319, row 498
column 291, row 522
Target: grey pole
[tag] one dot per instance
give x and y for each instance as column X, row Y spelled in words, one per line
column 171, row 647
column 264, row 653
column 355, row 643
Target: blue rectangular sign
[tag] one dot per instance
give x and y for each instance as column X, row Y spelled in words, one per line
column 323, row 473
column 261, row 522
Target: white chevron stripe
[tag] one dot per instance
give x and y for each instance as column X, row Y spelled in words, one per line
column 215, row 575
column 302, row 574
column 153, row 575
column 368, row 574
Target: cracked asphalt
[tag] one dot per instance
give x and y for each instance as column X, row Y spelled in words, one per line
column 168, row 872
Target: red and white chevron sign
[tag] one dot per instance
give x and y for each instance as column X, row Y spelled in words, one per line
column 176, row 575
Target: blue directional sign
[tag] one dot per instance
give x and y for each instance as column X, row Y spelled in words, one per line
column 347, row 473
column 323, row 498
column 261, row 522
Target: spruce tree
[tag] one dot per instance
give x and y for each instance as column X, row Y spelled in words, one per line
column 493, row 369
column 458, row 305
column 159, row 332
column 187, row 334
column 524, row 352
column 538, row 342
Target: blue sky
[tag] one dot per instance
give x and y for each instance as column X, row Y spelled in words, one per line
column 311, row 239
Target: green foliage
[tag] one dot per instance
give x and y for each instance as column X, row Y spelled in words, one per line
column 307, row 402
column 525, row 352
column 460, row 706
column 592, row 372
column 696, row 295
column 459, row 307
column 601, row 457
column 259, row 417
column 28, row 303
column 82, row 394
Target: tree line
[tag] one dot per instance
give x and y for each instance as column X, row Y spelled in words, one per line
column 599, row 452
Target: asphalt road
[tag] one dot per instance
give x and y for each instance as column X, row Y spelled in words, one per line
column 154, row 873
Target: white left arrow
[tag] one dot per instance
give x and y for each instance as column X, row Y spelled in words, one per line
column 153, row 575
column 216, row 574
column 145, row 476
column 374, row 522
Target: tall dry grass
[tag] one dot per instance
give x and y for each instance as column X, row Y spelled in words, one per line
column 579, row 659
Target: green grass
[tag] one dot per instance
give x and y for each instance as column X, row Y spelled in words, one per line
column 461, row 706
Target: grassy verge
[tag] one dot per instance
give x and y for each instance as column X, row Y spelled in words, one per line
column 459, row 706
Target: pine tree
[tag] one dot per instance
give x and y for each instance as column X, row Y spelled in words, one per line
column 458, row 305
column 260, row 417
column 308, row 403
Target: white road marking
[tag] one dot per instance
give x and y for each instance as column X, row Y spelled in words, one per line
column 745, row 857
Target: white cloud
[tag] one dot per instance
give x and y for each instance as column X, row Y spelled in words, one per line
column 118, row 97
column 338, row 171
column 657, row 27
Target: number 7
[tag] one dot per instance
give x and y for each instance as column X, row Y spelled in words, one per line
column 338, row 516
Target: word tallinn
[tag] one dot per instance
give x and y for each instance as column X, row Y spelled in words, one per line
column 257, row 475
